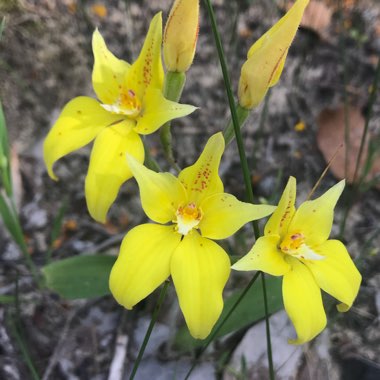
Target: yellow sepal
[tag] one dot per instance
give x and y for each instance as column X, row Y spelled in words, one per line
column 81, row 120
column 108, row 168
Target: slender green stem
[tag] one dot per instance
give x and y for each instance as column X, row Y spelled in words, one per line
column 221, row 324
column 234, row 114
column 2, row 26
column 371, row 103
column 239, row 139
column 14, row 322
column 150, row 162
column 345, row 95
column 173, row 87
column 150, row 329
column 356, row 184
column 242, row 115
column 24, row 351
column 267, row 327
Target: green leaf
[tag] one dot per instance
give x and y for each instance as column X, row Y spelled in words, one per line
column 84, row 276
column 6, row 299
column 12, row 222
column 5, row 172
column 2, row 27
column 250, row 310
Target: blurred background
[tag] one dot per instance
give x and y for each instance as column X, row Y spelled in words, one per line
column 325, row 91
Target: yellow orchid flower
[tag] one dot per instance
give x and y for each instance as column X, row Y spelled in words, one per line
column 266, row 57
column 198, row 210
column 131, row 103
column 295, row 245
column 181, row 34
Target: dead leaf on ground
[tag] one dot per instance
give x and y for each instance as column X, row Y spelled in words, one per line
column 317, row 17
column 330, row 136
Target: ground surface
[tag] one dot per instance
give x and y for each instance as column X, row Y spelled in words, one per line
column 45, row 60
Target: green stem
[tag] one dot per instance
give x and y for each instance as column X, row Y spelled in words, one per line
column 267, row 327
column 11, row 220
column 173, row 87
column 150, row 329
column 234, row 113
column 14, row 322
column 149, row 161
column 235, row 121
column 345, row 95
column 356, row 184
column 221, row 324
column 242, row 115
column 371, row 103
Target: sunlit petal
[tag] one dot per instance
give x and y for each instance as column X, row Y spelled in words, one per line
column 108, row 168
column 160, row 193
column 158, row 110
column 315, row 218
column 143, row 263
column 200, row 269
column 202, row 179
column 79, row 123
column 264, row 256
column 279, row 221
column 223, row 215
column 147, row 70
column 336, row 274
column 108, row 74
column 303, row 302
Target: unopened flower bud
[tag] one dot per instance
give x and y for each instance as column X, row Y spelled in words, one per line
column 266, row 57
column 180, row 36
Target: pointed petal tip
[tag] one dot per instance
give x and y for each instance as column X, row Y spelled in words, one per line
column 157, row 21
column 51, row 173
column 342, row 307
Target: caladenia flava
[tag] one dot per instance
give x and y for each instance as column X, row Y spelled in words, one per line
column 265, row 62
column 296, row 246
column 131, row 103
column 198, row 209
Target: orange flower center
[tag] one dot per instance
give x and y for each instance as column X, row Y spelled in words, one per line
column 127, row 104
column 188, row 217
column 294, row 244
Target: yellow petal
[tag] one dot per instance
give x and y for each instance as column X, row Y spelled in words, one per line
column 336, row 274
column 223, row 215
column 303, row 302
column 158, row 110
column 264, row 256
column 180, row 36
column 109, row 72
column 143, row 263
column 108, row 168
column 79, row 123
column 266, row 57
column 314, row 218
column 201, row 179
column 200, row 270
column 280, row 219
column 147, row 70
column 160, row 193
